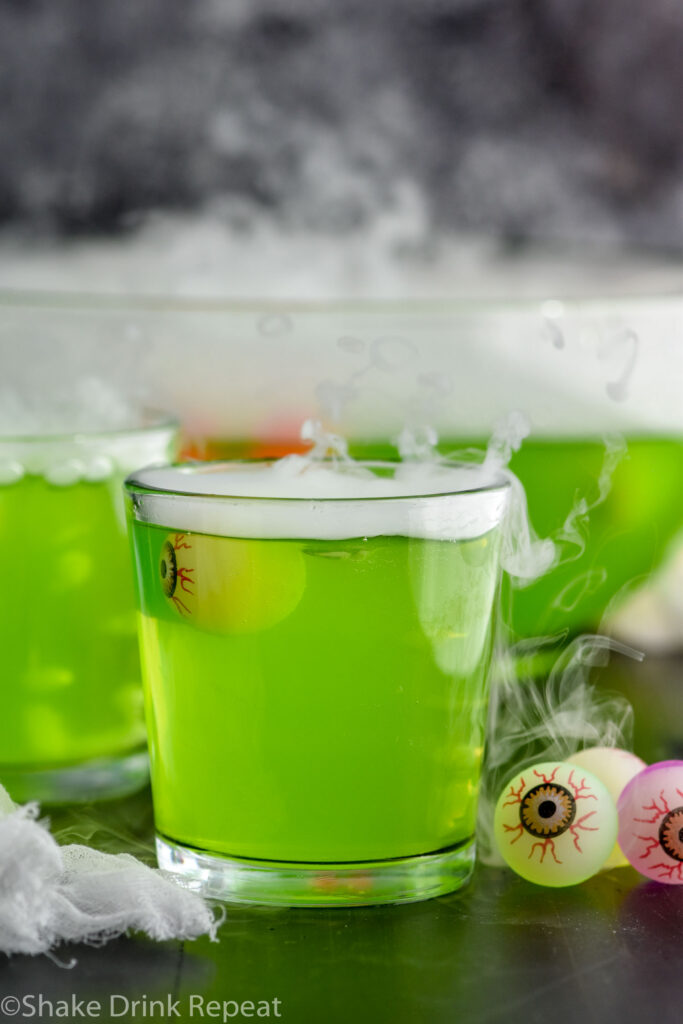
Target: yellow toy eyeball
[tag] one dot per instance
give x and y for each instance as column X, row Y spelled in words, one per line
column 615, row 768
column 555, row 824
column 231, row 586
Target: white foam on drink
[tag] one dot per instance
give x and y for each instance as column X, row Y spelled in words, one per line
column 90, row 435
column 85, row 432
column 65, row 462
column 324, row 500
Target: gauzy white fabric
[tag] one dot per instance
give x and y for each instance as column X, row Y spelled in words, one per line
column 51, row 894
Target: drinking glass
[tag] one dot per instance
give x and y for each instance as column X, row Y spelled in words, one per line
column 71, row 715
column 316, row 683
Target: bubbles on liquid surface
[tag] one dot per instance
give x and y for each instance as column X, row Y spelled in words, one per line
column 99, row 468
column 11, row 472
column 65, row 474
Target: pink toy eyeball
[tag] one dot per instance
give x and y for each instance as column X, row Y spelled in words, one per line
column 651, row 822
column 555, row 824
column 615, row 768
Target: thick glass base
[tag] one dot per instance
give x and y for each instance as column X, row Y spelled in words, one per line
column 101, row 779
column 276, row 883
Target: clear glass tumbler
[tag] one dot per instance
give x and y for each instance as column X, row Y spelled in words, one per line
column 316, row 683
column 71, row 715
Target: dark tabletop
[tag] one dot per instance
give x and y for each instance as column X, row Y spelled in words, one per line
column 501, row 950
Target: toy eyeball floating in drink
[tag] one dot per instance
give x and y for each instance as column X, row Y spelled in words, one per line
column 615, row 768
column 651, row 822
column 230, row 586
column 555, row 824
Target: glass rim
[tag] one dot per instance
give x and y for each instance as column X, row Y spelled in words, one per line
column 464, row 305
column 159, row 421
column 134, row 486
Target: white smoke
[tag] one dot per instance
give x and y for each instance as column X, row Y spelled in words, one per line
column 574, row 531
column 532, row 718
column 88, row 405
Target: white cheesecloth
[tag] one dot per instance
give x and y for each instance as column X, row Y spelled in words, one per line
column 51, row 894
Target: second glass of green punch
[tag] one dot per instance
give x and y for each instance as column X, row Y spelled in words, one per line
column 315, row 654
column 71, row 722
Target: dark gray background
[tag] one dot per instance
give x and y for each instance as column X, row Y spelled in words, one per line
column 540, row 119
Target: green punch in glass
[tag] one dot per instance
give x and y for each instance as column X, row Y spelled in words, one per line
column 315, row 647
column 71, row 716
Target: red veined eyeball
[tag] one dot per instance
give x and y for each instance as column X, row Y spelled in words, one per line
column 555, row 824
column 225, row 585
column 651, row 822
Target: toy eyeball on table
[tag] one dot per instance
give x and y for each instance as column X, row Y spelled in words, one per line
column 651, row 822
column 555, row 824
column 615, row 768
